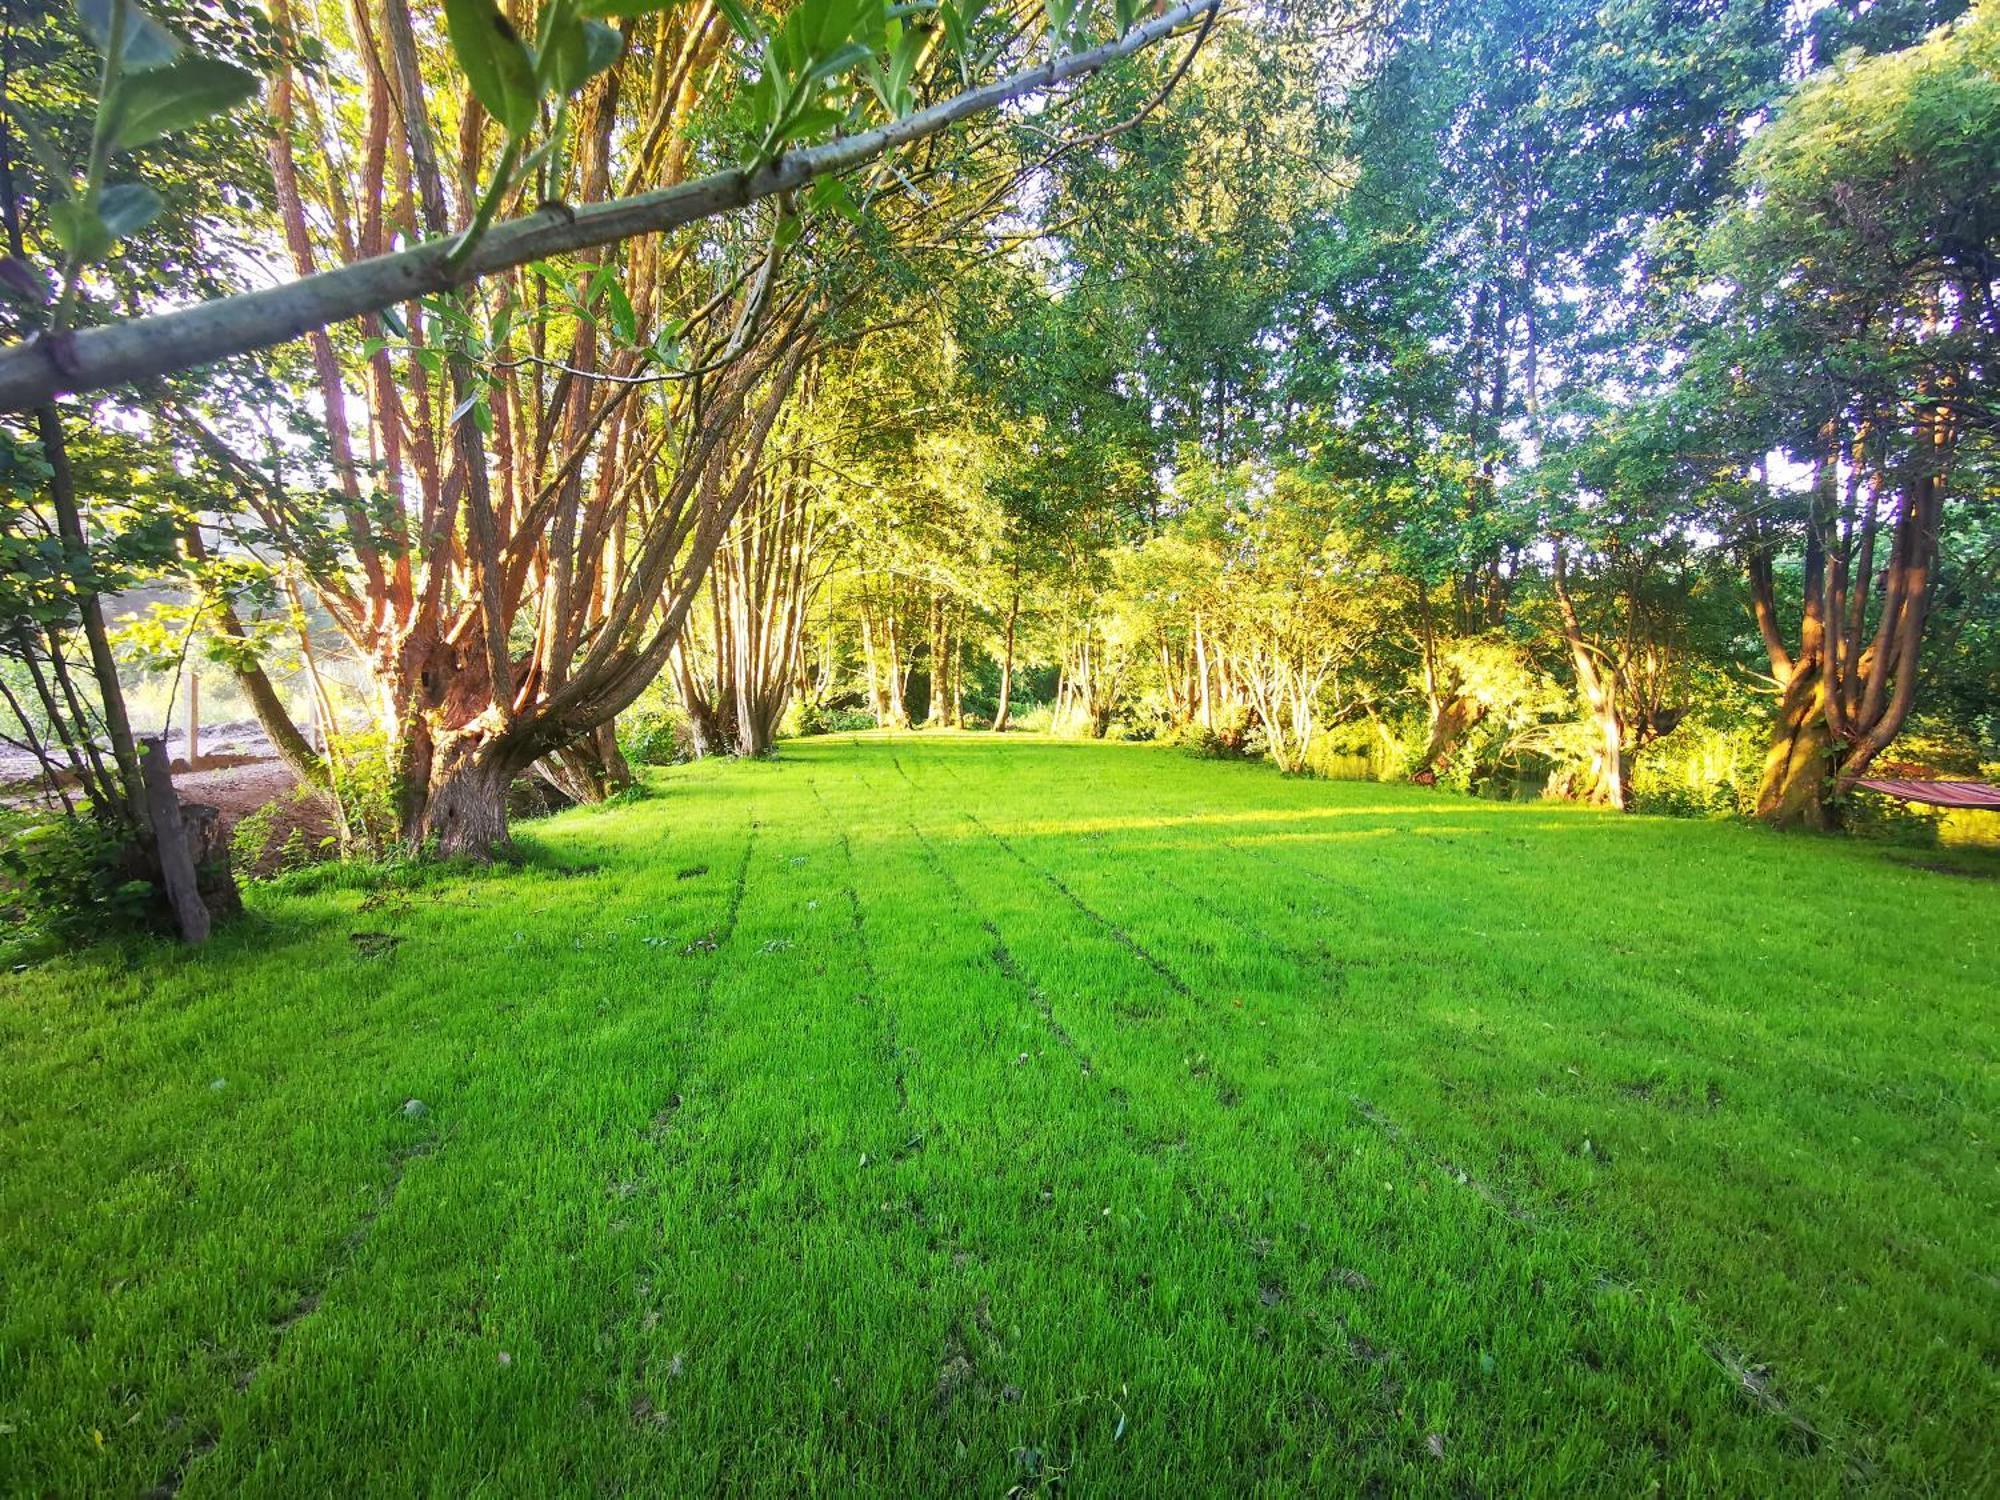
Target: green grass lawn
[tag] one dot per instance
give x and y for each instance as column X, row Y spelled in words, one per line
column 937, row 1115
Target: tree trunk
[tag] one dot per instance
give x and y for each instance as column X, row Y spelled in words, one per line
column 707, row 733
column 878, row 699
column 1207, row 708
column 170, row 846
column 757, row 725
column 1453, row 717
column 1799, row 763
column 939, row 714
column 464, row 801
column 1608, row 763
column 1002, row 713
column 103, row 667
column 590, row 770
column 897, row 680
column 1597, row 678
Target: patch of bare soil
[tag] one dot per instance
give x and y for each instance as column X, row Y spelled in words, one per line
column 238, row 786
column 241, row 786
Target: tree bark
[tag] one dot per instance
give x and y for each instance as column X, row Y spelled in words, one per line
column 463, row 813
column 1453, row 716
column 590, row 770
column 1798, row 766
column 170, row 846
column 1597, row 679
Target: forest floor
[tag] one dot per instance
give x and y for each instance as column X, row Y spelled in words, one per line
column 935, row 1114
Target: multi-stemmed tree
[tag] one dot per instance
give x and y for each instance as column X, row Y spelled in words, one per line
column 1863, row 339
column 549, row 413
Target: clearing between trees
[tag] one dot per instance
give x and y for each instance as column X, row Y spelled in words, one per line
column 938, row 1113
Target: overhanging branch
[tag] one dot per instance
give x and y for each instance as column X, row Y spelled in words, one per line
column 140, row 348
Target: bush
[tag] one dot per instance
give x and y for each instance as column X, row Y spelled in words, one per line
column 655, row 736
column 285, row 834
column 1702, row 770
column 357, row 820
column 1234, row 737
column 367, row 794
column 70, row 880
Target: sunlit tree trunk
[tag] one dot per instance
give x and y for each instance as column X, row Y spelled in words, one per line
column 896, row 683
column 878, row 697
column 1004, row 710
column 942, row 647
column 1798, row 765
column 1597, row 681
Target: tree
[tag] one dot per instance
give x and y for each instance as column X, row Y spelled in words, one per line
column 551, row 457
column 1861, row 339
column 150, row 85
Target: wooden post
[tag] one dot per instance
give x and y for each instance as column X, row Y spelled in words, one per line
column 170, row 846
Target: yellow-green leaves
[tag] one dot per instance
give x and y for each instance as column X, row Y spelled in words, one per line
column 511, row 79
column 88, row 230
column 496, row 62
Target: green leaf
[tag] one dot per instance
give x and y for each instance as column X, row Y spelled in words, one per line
column 496, row 62
column 146, row 44
column 79, row 230
column 601, row 281
column 832, row 193
column 812, row 121
column 162, row 100
column 954, row 34
column 581, row 51
column 624, row 321
column 602, row 47
column 739, row 19
column 128, row 207
column 845, row 60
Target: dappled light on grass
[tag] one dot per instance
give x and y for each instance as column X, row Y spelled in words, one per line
column 867, row 1118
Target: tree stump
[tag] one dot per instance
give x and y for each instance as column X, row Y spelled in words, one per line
column 208, row 846
column 170, row 844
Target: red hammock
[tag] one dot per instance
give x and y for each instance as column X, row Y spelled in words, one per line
column 1938, row 793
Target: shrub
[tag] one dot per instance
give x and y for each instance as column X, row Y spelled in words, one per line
column 1232, row 738
column 355, row 820
column 70, row 879
column 285, row 834
column 655, row 736
column 366, row 790
column 1701, row 770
